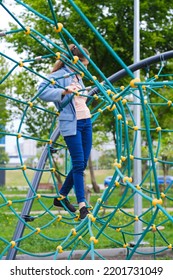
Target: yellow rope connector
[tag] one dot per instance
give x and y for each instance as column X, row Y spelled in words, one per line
column 58, row 55
column 158, row 129
column 122, row 87
column 111, row 108
column 118, row 229
column 91, row 217
column 143, row 87
column 124, row 101
column 109, row 91
column 30, row 103
column 100, row 110
column 119, row 117
column 53, row 82
column 99, row 200
column 38, row 230
column 169, row 102
column 156, row 76
column 82, row 74
column 21, row 64
column 131, row 157
column 117, row 184
column 59, row 249
column 13, row 243
column 117, row 164
column 59, row 218
column 115, row 99
column 24, row 167
column 127, row 179
column 77, row 93
column 170, row 246
column 94, row 78
column 50, row 141
column 93, row 239
column 135, row 128
column 136, row 218
column 162, row 195
column 157, row 201
column 75, row 59
column 38, row 196
column 73, row 230
column 153, row 228
column 123, row 158
column 80, row 237
column 138, row 187
column 132, row 82
column 145, row 101
column 19, row 135
column 9, row 203
column 28, row 30
column 60, row 26
column 76, row 219
column 125, row 245
column 90, row 208
column 57, row 113
column 95, row 96
column 155, row 159
column 53, row 169
column 61, row 197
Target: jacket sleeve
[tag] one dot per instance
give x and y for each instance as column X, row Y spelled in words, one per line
column 51, row 91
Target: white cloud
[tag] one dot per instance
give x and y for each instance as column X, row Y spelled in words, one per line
column 5, row 17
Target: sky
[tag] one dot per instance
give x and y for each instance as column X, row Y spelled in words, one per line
column 4, row 16
column 4, row 20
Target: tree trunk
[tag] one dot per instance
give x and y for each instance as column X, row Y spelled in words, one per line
column 93, row 180
column 57, row 175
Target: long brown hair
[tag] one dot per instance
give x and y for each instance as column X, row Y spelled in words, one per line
column 76, row 52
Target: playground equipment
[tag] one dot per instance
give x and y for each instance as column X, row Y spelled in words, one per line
column 117, row 224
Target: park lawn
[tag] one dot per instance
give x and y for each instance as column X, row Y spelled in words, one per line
column 54, row 232
column 46, row 200
column 16, row 178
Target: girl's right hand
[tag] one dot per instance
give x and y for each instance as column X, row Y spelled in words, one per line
column 69, row 89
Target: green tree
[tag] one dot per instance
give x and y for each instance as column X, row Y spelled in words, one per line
column 4, row 159
column 114, row 21
column 5, row 88
column 107, row 159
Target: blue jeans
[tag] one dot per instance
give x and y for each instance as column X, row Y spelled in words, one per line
column 79, row 146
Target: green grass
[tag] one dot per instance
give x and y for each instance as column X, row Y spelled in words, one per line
column 57, row 231
column 15, row 178
column 39, row 204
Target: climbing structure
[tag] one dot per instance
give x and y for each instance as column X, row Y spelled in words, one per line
column 107, row 220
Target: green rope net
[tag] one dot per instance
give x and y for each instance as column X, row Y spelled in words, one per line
column 107, row 220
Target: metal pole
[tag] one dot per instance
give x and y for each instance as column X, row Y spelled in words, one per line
column 137, row 118
column 28, row 203
column 2, row 172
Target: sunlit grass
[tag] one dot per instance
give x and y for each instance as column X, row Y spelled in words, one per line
column 57, row 231
column 16, row 178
